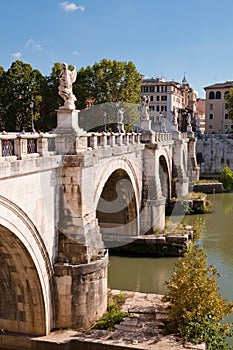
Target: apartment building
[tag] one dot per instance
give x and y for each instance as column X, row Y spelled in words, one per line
column 169, row 97
column 200, row 120
column 217, row 120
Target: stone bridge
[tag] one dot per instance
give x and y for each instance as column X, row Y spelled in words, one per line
column 65, row 198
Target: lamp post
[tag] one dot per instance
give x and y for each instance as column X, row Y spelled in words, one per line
column 32, row 106
column 105, row 121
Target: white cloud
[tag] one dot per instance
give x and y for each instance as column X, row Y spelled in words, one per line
column 17, row 55
column 76, row 53
column 70, row 6
column 32, row 44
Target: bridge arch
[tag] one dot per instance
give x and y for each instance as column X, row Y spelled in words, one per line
column 117, row 197
column 25, row 274
column 164, row 176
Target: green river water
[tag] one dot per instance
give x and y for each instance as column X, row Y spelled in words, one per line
column 148, row 275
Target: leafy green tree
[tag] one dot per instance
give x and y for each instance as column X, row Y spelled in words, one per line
column 108, row 81
column 21, row 85
column 104, row 84
column 196, row 308
column 229, row 101
column 226, row 178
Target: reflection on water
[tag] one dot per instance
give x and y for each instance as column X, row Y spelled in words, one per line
column 149, row 275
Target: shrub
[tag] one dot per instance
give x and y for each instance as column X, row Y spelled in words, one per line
column 196, row 309
column 227, row 178
column 113, row 315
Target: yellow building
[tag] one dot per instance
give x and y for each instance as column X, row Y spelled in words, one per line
column 217, row 120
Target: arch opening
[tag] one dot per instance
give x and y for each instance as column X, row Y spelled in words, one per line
column 117, row 209
column 21, row 301
column 164, row 178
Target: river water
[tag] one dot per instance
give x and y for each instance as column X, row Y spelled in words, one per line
column 148, row 275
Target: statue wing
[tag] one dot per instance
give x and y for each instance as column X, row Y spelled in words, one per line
column 74, row 74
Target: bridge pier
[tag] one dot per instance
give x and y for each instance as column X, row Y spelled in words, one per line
column 81, row 292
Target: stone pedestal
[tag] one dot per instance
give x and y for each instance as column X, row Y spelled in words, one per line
column 70, row 137
column 67, row 119
column 145, row 124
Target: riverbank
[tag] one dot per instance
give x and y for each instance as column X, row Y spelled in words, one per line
column 141, row 330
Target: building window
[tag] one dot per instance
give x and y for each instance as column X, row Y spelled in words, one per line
column 164, row 88
column 157, row 108
column 152, row 98
column 226, row 116
column 211, row 95
column 225, row 126
column 151, row 108
column 211, row 106
column 157, row 98
column 145, row 88
column 157, row 88
column 152, row 89
column 226, row 93
column 163, row 98
column 211, row 116
column 211, row 126
column 218, row 95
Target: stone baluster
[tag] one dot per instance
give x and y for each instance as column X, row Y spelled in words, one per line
column 112, row 139
column 20, row 147
column 103, row 140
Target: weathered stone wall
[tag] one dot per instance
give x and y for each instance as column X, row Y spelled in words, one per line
column 213, row 154
column 208, row 187
column 82, row 293
column 155, row 246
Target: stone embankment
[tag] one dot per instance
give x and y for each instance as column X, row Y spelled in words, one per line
column 143, row 329
column 155, row 246
column 210, row 187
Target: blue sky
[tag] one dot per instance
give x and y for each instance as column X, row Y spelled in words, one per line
column 164, row 38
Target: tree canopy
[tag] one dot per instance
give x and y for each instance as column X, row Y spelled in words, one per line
column 106, row 81
column 229, row 101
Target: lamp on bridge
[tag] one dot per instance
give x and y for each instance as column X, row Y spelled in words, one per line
column 105, row 121
column 32, row 114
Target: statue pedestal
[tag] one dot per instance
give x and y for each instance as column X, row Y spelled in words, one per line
column 145, row 124
column 67, row 119
column 69, row 138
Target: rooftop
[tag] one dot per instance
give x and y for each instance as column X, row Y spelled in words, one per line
column 227, row 84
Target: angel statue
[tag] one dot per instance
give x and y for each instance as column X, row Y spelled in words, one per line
column 66, row 80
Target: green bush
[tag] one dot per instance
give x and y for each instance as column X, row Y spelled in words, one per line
column 227, row 178
column 196, row 308
column 113, row 315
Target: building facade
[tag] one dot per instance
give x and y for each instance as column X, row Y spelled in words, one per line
column 169, row 98
column 217, row 120
column 200, row 121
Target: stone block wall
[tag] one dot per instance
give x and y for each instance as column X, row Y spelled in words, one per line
column 81, row 293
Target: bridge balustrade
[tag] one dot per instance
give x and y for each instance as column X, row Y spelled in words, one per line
column 112, row 139
column 18, row 146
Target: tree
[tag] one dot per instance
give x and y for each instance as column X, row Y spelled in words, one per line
column 226, row 178
column 104, row 84
column 229, row 101
column 196, row 307
column 21, row 85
